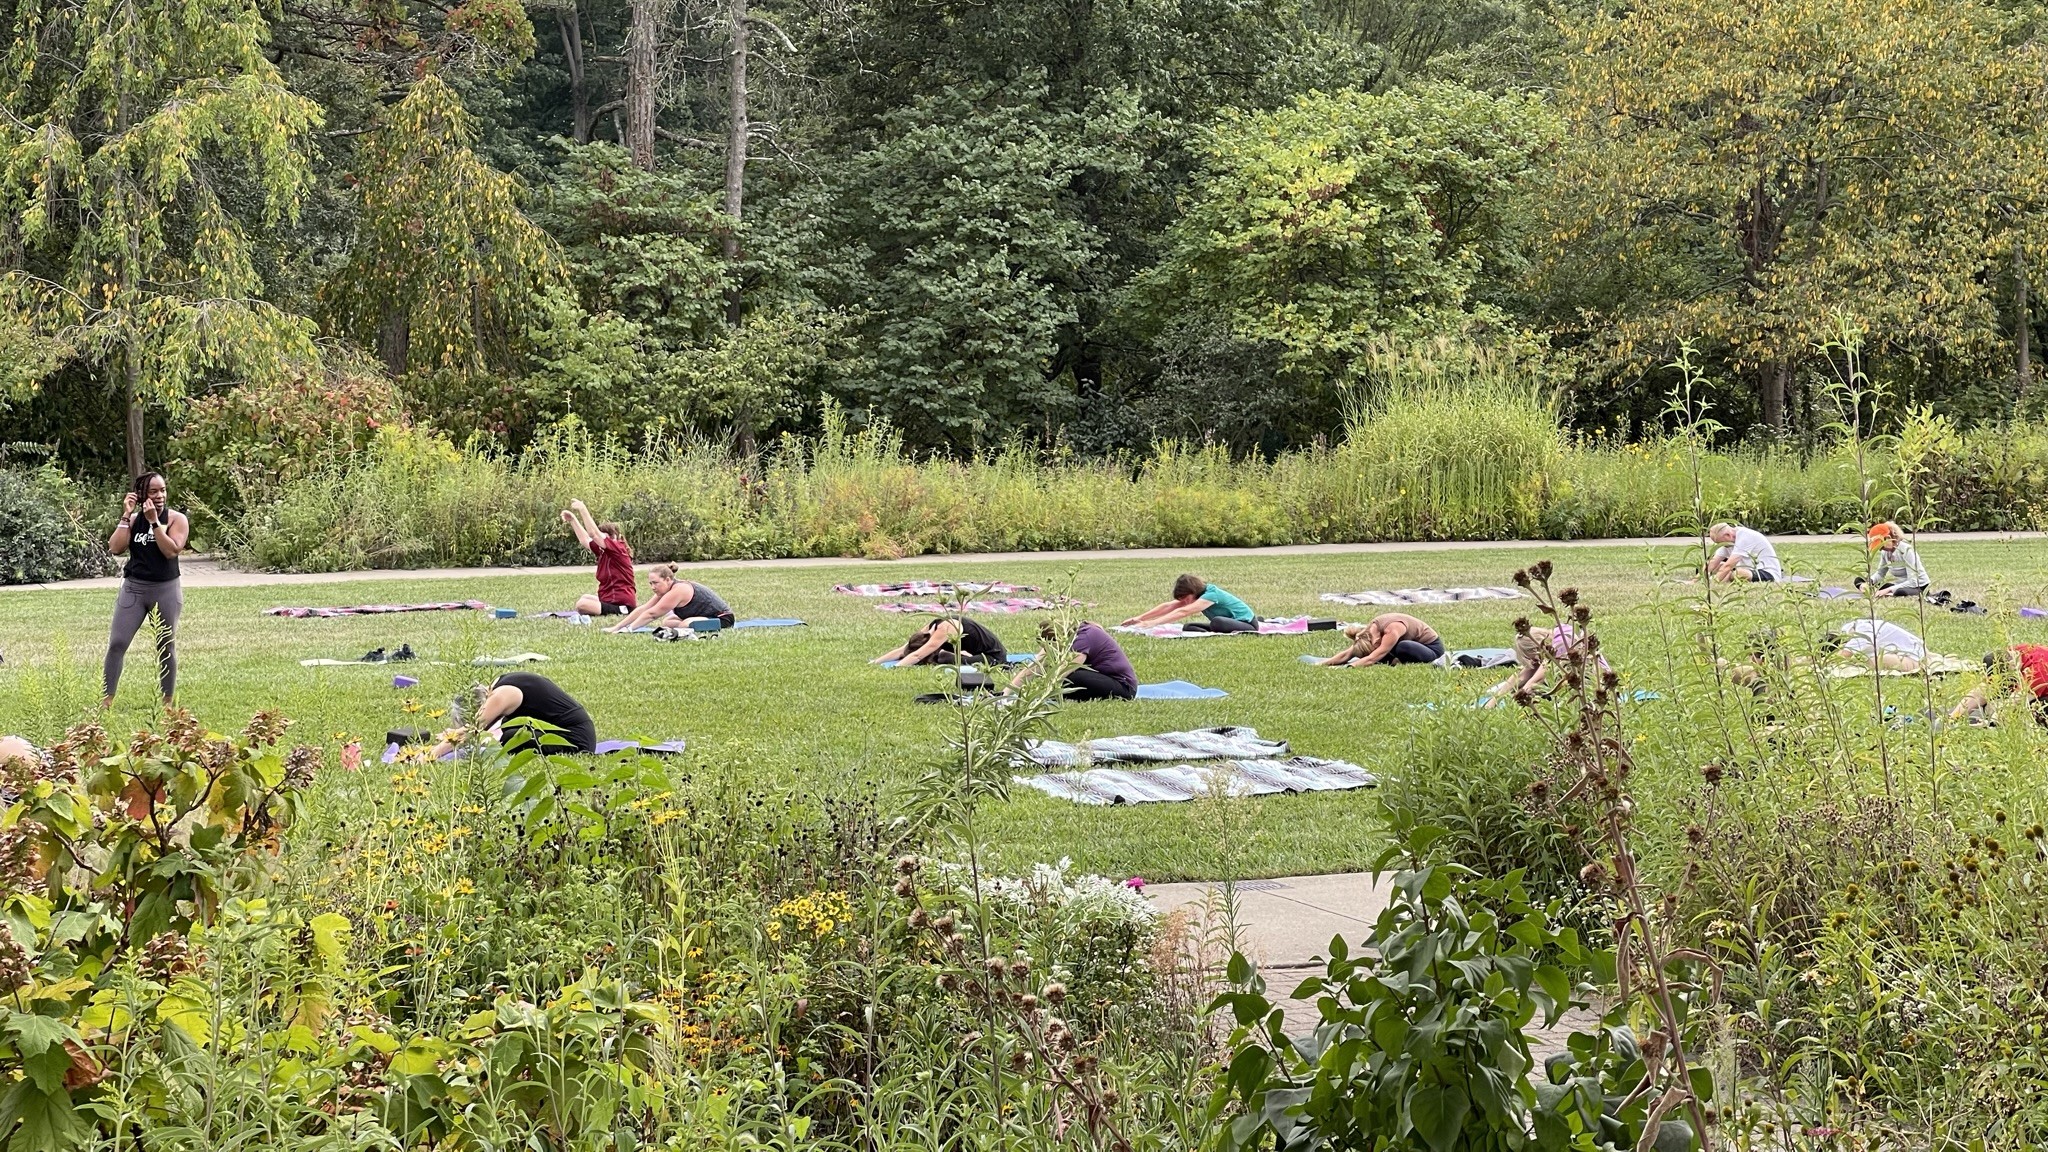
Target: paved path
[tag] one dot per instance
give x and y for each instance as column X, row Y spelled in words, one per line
column 204, row 572
column 1285, row 925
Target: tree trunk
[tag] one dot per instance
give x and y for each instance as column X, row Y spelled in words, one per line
column 1775, row 376
column 394, row 342
column 642, row 40
column 2023, row 324
column 571, row 25
column 739, row 137
column 131, row 370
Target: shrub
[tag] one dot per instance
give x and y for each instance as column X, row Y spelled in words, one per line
column 44, row 533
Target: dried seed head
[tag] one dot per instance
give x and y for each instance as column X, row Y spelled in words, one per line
column 918, row 919
column 1020, row 967
column 944, row 923
column 15, row 968
column 995, row 965
column 1711, row 772
column 905, row 888
column 905, row 865
column 1055, row 993
column 1028, row 1002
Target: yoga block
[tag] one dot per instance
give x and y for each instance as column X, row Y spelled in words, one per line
column 404, row 682
column 1322, row 625
column 504, row 613
column 705, row 625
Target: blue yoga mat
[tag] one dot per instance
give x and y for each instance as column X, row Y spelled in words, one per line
column 1178, row 690
column 770, row 622
column 1015, row 659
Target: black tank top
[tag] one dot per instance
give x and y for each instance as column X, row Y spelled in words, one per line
column 147, row 563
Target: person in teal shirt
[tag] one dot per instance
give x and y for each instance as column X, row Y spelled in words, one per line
column 1194, row 596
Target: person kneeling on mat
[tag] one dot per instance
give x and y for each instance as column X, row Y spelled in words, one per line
column 527, row 696
column 2021, row 670
column 935, row 643
column 615, row 595
column 1105, row 672
column 1390, row 638
column 676, row 603
column 1744, row 554
column 1194, row 596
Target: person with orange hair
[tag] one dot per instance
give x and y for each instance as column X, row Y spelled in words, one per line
column 1899, row 571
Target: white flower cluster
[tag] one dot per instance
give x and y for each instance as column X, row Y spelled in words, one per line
column 1074, row 899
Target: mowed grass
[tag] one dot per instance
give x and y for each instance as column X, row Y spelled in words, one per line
column 801, row 708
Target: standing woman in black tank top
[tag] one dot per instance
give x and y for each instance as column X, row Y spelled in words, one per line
column 152, row 536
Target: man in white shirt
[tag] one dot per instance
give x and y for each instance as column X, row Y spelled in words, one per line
column 1745, row 554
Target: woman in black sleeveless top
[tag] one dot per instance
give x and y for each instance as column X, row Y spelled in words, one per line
column 675, row 597
column 152, row 536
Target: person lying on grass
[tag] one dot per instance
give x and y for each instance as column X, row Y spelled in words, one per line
column 1898, row 649
column 1899, row 571
column 1745, row 554
column 526, row 696
column 1194, row 596
column 1537, row 652
column 615, row 595
column 1105, row 672
column 2022, row 671
column 675, row 604
column 948, row 641
column 1389, row 638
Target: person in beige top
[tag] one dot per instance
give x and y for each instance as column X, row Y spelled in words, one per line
column 1390, row 638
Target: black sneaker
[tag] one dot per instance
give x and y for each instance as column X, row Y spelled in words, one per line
column 404, row 652
column 375, row 656
column 667, row 635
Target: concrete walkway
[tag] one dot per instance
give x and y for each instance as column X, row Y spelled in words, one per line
column 205, row 572
column 1285, row 925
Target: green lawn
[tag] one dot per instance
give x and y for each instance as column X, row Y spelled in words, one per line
column 802, row 703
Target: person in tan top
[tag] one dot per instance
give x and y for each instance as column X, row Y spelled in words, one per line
column 1390, row 638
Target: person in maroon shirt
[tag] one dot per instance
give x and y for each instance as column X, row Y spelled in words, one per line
column 615, row 591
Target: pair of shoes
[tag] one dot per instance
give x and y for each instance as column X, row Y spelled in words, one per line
column 672, row 635
column 1968, row 606
column 379, row 656
column 1940, row 599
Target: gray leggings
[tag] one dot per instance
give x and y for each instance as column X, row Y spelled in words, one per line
column 137, row 600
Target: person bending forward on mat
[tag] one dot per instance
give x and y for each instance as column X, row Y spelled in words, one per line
column 527, row 696
column 1194, row 596
column 2023, row 667
column 615, row 595
column 1390, row 638
column 1744, row 554
column 152, row 536
column 1105, row 672
column 676, row 603
column 935, row 644
column 1535, row 655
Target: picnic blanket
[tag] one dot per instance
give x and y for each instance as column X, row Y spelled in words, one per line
column 1936, row 664
column 930, row 588
column 374, row 609
column 1012, row 604
column 1296, row 626
column 1395, row 597
column 604, row 748
column 1225, row 743
column 1178, row 690
column 1258, row 777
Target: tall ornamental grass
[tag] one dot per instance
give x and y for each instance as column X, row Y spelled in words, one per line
column 1463, row 453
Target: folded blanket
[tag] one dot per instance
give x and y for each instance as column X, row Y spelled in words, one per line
column 1396, row 597
column 929, row 588
column 1013, row 604
column 374, row 609
column 1258, row 777
column 1178, row 690
column 604, row 748
column 771, row 622
column 1224, row 743
column 1478, row 658
column 1294, row 626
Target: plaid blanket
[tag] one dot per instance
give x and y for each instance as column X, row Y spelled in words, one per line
column 1187, row 781
column 1226, row 743
column 929, row 588
column 374, row 609
column 1292, row 627
column 1013, row 604
column 1394, row 598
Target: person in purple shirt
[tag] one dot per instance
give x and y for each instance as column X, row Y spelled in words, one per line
column 1105, row 672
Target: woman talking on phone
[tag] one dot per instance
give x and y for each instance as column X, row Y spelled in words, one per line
column 152, row 536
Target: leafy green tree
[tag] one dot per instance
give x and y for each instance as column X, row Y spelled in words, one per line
column 446, row 267
column 1341, row 219
column 1736, row 172
column 143, row 143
